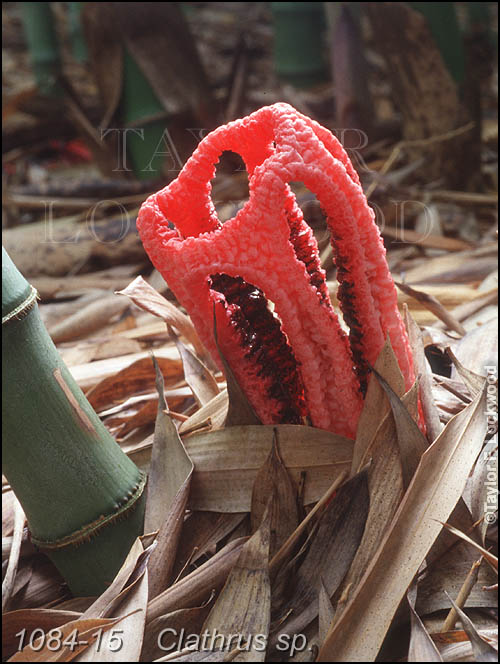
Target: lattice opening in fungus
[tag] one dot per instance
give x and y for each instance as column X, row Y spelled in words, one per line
column 265, row 345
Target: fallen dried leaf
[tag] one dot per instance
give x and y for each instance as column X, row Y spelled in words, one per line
column 435, row 489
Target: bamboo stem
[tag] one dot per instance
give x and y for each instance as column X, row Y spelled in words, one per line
column 82, row 496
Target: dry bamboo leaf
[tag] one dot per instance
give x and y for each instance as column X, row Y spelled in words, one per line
column 214, row 413
column 426, row 240
column 92, row 317
column 44, row 586
column 447, row 573
column 385, row 483
column 115, row 347
column 168, row 491
column 434, row 305
column 165, row 634
column 411, row 441
column 422, row 647
column 227, row 460
column 124, row 644
column 479, row 348
column 492, row 559
column 104, row 603
column 483, row 651
column 198, row 377
column 78, row 284
column 144, row 416
column 274, row 480
column 190, row 654
column 76, row 604
column 148, row 299
column 461, row 518
column 473, row 381
column 470, row 271
column 15, row 551
column 330, row 554
column 326, row 612
column 154, row 331
column 135, row 378
column 197, row 586
column 201, row 534
column 456, row 647
column 432, row 268
column 376, row 404
column 434, row 491
column 422, row 369
column 170, row 466
column 163, row 556
column 243, row 607
column 448, row 563
column 89, row 374
column 281, row 558
column 14, row 622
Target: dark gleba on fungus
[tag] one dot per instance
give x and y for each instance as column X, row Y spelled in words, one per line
column 295, row 362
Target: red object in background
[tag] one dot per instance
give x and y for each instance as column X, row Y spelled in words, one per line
column 301, row 363
column 74, row 151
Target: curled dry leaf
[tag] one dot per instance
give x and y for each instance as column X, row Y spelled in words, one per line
column 411, row 441
column 164, row 634
column 435, row 489
column 170, row 466
column 472, row 380
column 148, row 299
column 455, row 646
column 326, row 612
column 15, row 551
column 274, row 480
column 492, row 559
column 376, row 404
column 136, row 378
column 329, row 556
column 385, row 483
column 422, row 369
column 434, row 305
column 195, row 588
column 125, row 644
column 92, row 317
column 243, row 607
column 422, row 647
column 168, row 491
column 202, row 533
column 483, row 651
column 213, row 414
column 227, row 461
column 198, row 377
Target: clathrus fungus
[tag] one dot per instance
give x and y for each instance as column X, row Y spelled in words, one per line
column 292, row 358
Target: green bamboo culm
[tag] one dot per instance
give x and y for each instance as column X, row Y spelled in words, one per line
column 83, row 497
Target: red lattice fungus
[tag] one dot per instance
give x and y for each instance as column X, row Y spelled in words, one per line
column 296, row 361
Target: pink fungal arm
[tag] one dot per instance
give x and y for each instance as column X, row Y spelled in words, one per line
column 297, row 361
